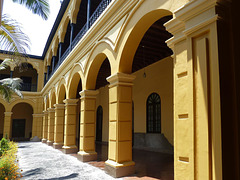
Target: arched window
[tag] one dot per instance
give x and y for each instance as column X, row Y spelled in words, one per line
column 153, row 113
column 99, row 124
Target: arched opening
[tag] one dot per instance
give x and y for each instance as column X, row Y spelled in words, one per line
column 53, row 100
column 22, row 122
column 29, row 76
column 2, row 110
column 149, row 60
column 74, row 90
column 99, row 122
column 153, row 108
column 66, row 42
column 82, row 16
column 62, row 94
column 102, row 108
column 61, row 98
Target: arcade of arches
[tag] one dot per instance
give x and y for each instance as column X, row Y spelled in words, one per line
column 143, row 76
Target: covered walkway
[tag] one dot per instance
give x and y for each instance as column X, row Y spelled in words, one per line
column 40, row 161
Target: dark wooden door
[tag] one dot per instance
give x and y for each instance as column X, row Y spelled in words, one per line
column 18, row 128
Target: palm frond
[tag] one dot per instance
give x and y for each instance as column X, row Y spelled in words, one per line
column 4, row 64
column 8, row 86
column 39, row 7
column 11, row 36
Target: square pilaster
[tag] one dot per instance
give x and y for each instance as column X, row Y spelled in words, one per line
column 119, row 161
column 88, row 118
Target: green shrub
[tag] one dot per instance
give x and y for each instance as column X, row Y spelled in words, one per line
column 4, row 146
column 8, row 165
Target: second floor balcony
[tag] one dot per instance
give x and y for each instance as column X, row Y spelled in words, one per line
column 26, row 72
column 90, row 10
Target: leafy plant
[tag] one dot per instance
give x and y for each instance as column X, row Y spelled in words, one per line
column 8, row 166
column 4, row 146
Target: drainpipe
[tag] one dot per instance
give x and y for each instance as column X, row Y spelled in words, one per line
column 53, row 63
column 11, row 74
column 60, row 51
column 88, row 13
column 45, row 78
column 71, row 34
column 48, row 69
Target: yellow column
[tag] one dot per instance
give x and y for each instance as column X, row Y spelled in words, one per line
column 34, row 125
column 119, row 161
column 51, row 119
column 197, row 113
column 7, row 124
column 59, row 126
column 45, row 126
column 37, row 125
column 87, row 126
column 70, row 126
column 40, row 126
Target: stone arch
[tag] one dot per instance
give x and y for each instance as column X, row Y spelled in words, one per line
column 21, row 121
column 49, row 57
column 52, row 98
column 5, row 104
column 55, row 46
column 99, row 53
column 27, row 101
column 34, row 65
column 74, row 10
column 64, row 28
column 46, row 102
column 61, row 91
column 75, row 76
column 136, row 26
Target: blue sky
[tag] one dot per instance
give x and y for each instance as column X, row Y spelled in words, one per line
column 34, row 26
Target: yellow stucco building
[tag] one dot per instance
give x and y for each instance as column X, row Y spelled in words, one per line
column 136, row 73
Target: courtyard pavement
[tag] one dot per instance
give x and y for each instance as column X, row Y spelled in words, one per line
column 40, row 161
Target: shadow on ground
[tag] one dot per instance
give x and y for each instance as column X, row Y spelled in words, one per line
column 73, row 175
column 32, row 172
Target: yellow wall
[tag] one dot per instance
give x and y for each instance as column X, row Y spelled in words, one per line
column 103, row 100
column 159, row 79
column 24, row 111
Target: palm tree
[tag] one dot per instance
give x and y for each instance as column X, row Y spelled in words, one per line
column 11, row 36
column 39, row 7
column 8, row 86
column 14, row 40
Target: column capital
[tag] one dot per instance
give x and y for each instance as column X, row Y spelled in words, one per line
column 51, row 109
column 8, row 113
column 121, row 78
column 59, row 106
column 70, row 101
column 88, row 93
column 45, row 112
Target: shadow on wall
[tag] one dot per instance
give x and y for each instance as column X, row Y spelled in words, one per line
column 152, row 142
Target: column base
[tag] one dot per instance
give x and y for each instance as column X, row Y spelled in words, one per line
column 116, row 170
column 69, row 149
column 44, row 140
column 49, row 143
column 87, row 156
column 57, row 145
